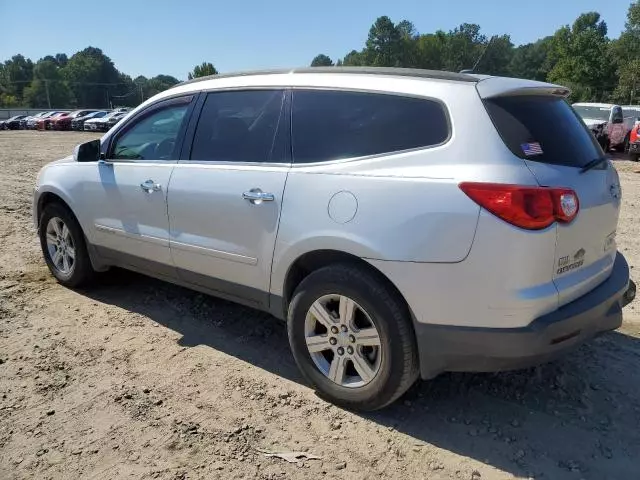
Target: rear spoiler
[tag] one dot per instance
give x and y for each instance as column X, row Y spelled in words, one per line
column 501, row 87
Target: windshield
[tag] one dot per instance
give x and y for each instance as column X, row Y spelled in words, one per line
column 543, row 129
column 594, row 113
column 631, row 112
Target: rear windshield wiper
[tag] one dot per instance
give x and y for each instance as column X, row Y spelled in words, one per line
column 593, row 164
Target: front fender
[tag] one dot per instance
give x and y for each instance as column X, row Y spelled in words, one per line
column 54, row 179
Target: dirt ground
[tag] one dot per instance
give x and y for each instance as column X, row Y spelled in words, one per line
column 140, row 379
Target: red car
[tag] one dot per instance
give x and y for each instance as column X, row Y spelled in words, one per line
column 63, row 122
column 634, row 142
column 45, row 123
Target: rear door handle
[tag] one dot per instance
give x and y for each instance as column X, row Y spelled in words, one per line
column 257, row 196
column 150, row 186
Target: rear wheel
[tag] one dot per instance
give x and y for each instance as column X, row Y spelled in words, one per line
column 352, row 338
column 63, row 246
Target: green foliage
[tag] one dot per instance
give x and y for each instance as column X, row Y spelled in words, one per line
column 203, row 70
column 88, row 73
column 47, row 90
column 583, row 59
column 17, row 73
column 322, row 60
column 531, row 60
column 580, row 56
column 87, row 79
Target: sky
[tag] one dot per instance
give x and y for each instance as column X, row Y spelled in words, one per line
column 151, row 37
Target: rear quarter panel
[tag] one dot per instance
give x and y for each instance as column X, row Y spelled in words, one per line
column 407, row 207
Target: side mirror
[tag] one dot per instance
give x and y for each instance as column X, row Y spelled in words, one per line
column 87, row 152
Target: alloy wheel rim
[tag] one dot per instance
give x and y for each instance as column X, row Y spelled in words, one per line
column 60, row 246
column 343, row 341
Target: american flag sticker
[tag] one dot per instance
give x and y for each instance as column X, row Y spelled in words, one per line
column 531, row 149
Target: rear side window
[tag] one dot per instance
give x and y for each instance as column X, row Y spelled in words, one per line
column 330, row 125
column 238, row 126
column 543, row 129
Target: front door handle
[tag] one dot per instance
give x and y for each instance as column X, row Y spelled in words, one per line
column 150, row 186
column 257, row 196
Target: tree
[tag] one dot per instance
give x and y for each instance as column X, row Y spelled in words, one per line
column 532, row 60
column 202, row 70
column 61, row 59
column 17, row 74
column 322, row 60
column 626, row 51
column 628, row 89
column 48, row 89
column 384, row 43
column 157, row 84
column 583, row 58
column 463, row 47
column 354, row 59
column 430, row 50
column 93, row 78
column 496, row 57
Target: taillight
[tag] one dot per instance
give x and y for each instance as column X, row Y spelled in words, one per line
column 532, row 208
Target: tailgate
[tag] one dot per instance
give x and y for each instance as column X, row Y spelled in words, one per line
column 585, row 248
column 545, row 132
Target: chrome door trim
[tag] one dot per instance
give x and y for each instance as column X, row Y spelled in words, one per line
column 133, row 236
column 210, row 252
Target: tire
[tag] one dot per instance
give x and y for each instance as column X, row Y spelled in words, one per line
column 79, row 271
column 625, row 144
column 634, row 157
column 392, row 365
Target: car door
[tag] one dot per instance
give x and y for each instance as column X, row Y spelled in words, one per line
column 225, row 197
column 126, row 194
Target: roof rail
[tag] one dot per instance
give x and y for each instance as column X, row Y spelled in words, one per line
column 390, row 71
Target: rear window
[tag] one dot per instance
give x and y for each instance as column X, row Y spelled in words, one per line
column 543, row 129
column 330, row 125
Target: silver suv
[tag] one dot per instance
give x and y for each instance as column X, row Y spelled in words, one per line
column 403, row 222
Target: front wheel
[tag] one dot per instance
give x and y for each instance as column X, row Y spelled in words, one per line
column 352, row 337
column 64, row 247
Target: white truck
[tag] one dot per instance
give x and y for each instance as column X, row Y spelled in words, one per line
column 608, row 123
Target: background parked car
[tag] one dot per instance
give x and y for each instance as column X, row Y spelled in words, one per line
column 25, row 120
column 63, row 122
column 632, row 111
column 112, row 120
column 78, row 122
column 95, row 124
column 634, row 142
column 13, row 123
column 44, row 123
column 32, row 122
column 608, row 124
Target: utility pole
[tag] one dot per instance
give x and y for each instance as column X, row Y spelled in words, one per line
column 46, row 87
column 141, row 93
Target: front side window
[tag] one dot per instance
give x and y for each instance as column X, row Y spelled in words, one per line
column 331, row 125
column 238, row 126
column 154, row 136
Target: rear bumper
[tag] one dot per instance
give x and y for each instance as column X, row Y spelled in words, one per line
column 470, row 349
